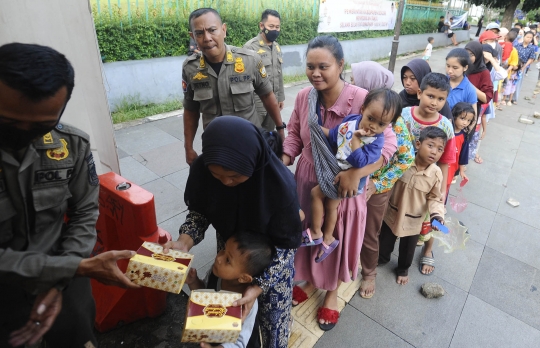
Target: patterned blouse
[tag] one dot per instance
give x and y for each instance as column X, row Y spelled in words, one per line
column 385, row 178
column 525, row 53
column 196, row 225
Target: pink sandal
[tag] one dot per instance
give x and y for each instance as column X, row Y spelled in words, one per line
column 327, row 250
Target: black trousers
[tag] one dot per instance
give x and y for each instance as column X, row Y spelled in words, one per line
column 72, row 328
column 407, row 247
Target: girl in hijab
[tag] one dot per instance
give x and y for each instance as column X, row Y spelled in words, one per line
column 371, row 75
column 239, row 184
column 411, row 78
column 480, row 77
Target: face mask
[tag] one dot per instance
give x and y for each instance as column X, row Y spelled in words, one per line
column 492, row 44
column 15, row 139
column 271, row 35
column 519, row 36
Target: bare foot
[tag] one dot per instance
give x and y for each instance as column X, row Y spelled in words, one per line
column 308, row 289
column 367, row 288
column 402, row 280
column 330, row 302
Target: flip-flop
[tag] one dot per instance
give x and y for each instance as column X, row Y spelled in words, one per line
column 298, row 295
column 478, row 160
column 430, row 261
column 327, row 250
column 329, row 315
column 308, row 241
column 362, row 282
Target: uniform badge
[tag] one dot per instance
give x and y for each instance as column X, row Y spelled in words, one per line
column 59, row 153
column 229, row 57
column 262, row 70
column 239, row 65
column 277, row 48
column 199, row 76
column 184, row 86
column 47, row 138
column 202, row 63
column 261, row 42
column 93, row 178
column 260, row 51
column 280, row 60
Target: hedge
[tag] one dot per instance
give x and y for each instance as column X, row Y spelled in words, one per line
column 163, row 36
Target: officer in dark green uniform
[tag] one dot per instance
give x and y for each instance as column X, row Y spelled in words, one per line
column 48, row 206
column 221, row 80
column 267, row 48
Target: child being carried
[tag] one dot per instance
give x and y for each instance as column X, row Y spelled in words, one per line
column 359, row 142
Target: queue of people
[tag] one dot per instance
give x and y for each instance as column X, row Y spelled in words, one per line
column 372, row 165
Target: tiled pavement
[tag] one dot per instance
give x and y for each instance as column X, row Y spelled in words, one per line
column 492, row 297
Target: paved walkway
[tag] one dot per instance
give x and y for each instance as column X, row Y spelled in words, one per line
column 492, row 297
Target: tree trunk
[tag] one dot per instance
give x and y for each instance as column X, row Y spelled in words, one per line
column 508, row 16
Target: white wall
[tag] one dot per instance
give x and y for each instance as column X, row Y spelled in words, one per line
column 67, row 26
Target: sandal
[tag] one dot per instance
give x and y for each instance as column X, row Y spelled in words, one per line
column 499, row 108
column 478, row 160
column 327, row 250
column 430, row 261
column 329, row 315
column 362, row 284
column 502, row 103
column 527, row 98
column 298, row 295
column 308, row 241
column 514, row 103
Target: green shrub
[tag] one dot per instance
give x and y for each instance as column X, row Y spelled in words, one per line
column 121, row 38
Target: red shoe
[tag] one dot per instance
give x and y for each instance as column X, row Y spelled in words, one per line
column 298, row 295
column 329, row 315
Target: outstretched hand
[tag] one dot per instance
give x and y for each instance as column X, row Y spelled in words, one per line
column 104, row 269
column 248, row 299
column 46, row 308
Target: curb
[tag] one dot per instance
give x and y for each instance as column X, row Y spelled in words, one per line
column 147, row 119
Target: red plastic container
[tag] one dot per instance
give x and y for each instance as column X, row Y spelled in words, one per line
column 127, row 218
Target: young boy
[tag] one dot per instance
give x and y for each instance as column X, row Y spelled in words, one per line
column 429, row 48
column 245, row 255
column 433, row 92
column 417, row 191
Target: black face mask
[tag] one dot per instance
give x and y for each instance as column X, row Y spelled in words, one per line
column 271, row 35
column 15, row 139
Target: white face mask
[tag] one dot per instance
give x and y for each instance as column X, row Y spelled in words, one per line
column 492, row 44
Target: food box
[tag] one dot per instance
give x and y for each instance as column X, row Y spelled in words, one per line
column 152, row 268
column 212, row 318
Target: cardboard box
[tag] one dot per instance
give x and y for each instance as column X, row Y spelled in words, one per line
column 153, row 269
column 212, row 318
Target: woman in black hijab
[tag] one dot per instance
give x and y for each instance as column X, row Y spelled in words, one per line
column 238, row 184
column 411, row 78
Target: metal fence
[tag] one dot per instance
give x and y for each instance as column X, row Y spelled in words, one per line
column 414, row 9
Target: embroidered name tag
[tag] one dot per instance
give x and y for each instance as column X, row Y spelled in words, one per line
column 42, row 176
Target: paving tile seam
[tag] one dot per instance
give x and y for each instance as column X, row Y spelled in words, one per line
column 520, row 222
column 374, row 320
column 494, row 304
column 510, row 315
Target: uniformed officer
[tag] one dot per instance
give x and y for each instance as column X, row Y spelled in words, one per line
column 48, row 204
column 267, row 48
column 221, row 80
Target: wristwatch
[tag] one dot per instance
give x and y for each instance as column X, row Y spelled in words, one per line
column 283, row 126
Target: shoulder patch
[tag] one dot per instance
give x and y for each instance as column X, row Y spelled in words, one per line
column 184, row 86
column 93, row 178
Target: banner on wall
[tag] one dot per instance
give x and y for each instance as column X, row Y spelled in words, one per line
column 355, row 15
